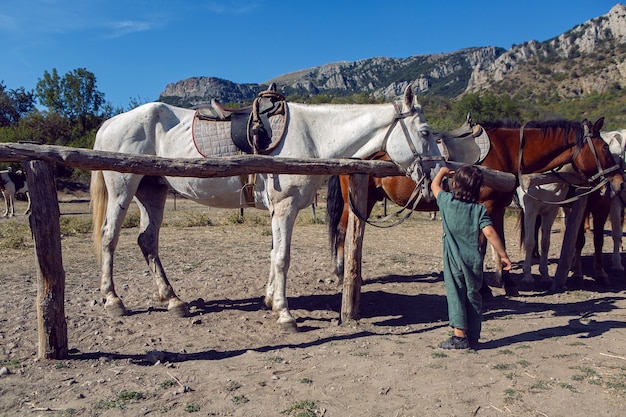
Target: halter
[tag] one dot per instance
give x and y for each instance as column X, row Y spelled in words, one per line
column 599, row 175
column 415, row 167
column 399, row 118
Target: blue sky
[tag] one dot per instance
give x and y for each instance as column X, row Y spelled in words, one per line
column 135, row 48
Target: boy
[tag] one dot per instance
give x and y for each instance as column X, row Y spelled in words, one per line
column 465, row 225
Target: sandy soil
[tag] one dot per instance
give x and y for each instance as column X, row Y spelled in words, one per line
column 541, row 354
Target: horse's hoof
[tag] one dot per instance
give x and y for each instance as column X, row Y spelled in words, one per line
column 289, row 327
column 603, row 280
column 574, row 283
column 115, row 308
column 178, row 309
column 556, row 289
column 511, row 291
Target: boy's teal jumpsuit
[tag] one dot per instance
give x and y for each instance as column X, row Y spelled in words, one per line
column 463, row 256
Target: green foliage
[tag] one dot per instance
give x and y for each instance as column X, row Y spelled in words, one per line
column 487, row 107
column 14, row 235
column 14, row 104
column 131, row 220
column 71, row 226
column 74, row 96
column 120, row 401
column 192, row 408
column 304, row 408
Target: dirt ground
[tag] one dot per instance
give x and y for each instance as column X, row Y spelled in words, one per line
column 541, row 354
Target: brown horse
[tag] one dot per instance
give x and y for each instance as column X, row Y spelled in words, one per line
column 536, row 147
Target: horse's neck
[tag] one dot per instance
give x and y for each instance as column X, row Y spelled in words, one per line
column 342, row 131
column 541, row 153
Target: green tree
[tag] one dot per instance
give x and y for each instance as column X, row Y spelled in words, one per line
column 14, row 104
column 487, row 107
column 75, row 96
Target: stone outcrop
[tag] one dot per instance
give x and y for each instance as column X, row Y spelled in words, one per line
column 589, row 57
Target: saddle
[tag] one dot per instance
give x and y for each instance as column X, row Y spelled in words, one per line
column 467, row 144
column 259, row 128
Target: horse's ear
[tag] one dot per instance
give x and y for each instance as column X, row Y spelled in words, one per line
column 598, row 125
column 272, row 87
column 409, row 98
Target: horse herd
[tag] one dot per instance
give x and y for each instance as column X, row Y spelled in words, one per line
column 395, row 131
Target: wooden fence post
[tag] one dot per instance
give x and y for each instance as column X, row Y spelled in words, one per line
column 46, row 230
column 351, row 295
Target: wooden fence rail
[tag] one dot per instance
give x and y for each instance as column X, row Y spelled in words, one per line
column 38, row 160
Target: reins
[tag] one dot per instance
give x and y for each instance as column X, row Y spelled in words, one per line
column 416, row 194
column 589, row 190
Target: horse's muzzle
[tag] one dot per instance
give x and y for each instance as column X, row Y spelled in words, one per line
column 422, row 173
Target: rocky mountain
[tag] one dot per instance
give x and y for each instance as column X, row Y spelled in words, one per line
column 589, row 57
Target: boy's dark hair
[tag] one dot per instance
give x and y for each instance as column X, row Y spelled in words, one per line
column 466, row 183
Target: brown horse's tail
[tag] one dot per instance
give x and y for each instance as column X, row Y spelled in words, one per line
column 334, row 211
column 99, row 197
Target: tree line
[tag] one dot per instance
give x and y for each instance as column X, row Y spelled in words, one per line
column 67, row 110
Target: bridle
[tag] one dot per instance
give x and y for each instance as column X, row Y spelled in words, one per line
column 596, row 182
column 399, row 119
column 415, row 170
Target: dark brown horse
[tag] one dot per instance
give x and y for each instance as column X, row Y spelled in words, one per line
column 537, row 147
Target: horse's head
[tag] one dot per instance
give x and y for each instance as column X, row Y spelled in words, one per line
column 594, row 159
column 414, row 146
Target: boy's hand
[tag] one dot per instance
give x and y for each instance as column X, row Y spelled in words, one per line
column 445, row 171
column 506, row 264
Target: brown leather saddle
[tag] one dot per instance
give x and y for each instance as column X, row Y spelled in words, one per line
column 259, row 128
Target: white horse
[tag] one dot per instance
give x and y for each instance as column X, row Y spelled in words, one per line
column 313, row 131
column 534, row 200
column 12, row 183
column 538, row 202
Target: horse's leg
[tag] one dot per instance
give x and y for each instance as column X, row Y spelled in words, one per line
column 547, row 220
column 284, row 215
column 28, row 206
column 151, row 196
column 337, row 221
column 587, row 224
column 121, row 189
column 5, row 194
column 599, row 218
column 11, row 204
column 616, row 216
column 576, row 267
column 530, row 218
column 510, row 287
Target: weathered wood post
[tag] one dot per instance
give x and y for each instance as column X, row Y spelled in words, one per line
column 353, row 248
column 46, row 230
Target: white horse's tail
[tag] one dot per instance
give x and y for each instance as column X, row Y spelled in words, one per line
column 99, row 197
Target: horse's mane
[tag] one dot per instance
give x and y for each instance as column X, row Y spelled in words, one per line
column 500, row 124
column 567, row 125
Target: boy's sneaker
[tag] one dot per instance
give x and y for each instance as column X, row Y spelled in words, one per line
column 455, row 342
